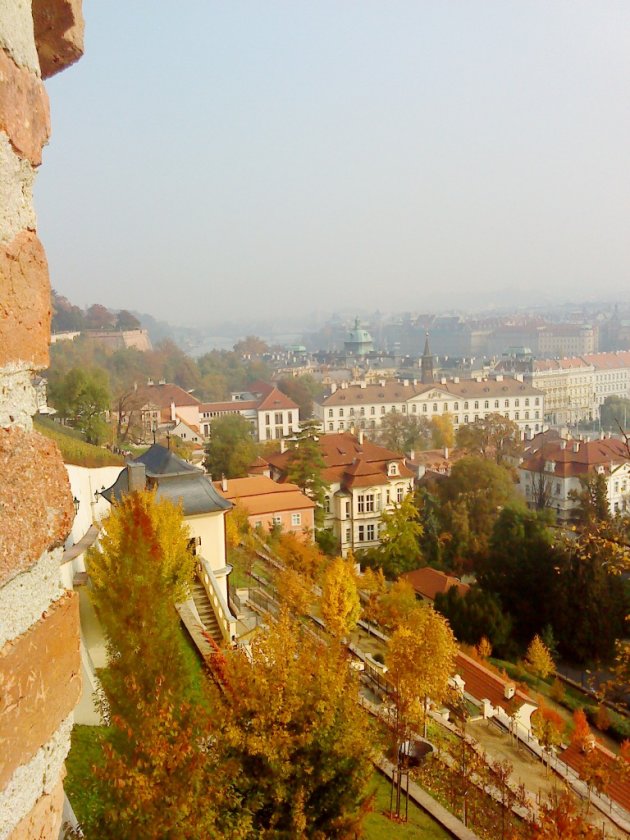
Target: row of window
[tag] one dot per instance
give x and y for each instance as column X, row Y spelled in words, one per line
column 296, row 520
column 527, row 415
column 368, row 502
column 425, row 408
column 279, row 420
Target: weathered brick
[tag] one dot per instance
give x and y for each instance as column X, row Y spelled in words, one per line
column 44, row 821
column 58, row 33
column 24, row 109
column 36, row 509
column 40, row 683
column 24, row 302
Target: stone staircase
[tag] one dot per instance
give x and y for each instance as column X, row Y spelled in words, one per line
column 206, row 612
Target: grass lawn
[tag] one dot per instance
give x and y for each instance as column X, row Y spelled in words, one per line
column 377, row 826
column 85, row 752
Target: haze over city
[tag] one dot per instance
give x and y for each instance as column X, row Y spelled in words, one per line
column 270, row 159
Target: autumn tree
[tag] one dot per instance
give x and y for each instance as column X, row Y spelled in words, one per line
column 442, row 433
column 126, row 321
column 396, row 604
column 582, row 737
column 231, row 448
column 295, row 730
column 548, row 727
column 302, row 390
column 251, row 345
column 404, row 432
column 157, row 706
column 420, row 659
column 340, row 605
column 305, row 466
column 372, row 585
column 538, row 659
column 494, row 436
column 560, row 818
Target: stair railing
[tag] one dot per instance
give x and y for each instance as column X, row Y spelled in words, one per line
column 225, row 619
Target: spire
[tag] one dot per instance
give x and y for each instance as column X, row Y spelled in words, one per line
column 427, row 363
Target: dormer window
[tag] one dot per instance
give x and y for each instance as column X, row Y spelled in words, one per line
column 392, row 468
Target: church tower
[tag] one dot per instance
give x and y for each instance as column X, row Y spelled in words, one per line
column 427, row 364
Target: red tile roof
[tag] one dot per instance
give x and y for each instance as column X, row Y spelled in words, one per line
column 228, row 405
column 591, row 454
column 608, row 361
column 618, row 788
column 428, row 582
column 164, row 395
column 259, row 494
column 483, row 684
column 275, row 400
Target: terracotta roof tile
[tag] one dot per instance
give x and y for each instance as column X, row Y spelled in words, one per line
column 428, row 582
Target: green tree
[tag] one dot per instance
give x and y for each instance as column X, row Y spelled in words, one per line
column 399, row 549
column 231, row 448
column 615, row 413
column 475, row 615
column 472, row 498
column 296, row 733
column 592, row 500
column 82, row 396
column 305, row 466
column 521, row 563
column 494, row 436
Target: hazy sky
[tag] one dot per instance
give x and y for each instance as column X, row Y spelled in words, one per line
column 216, row 159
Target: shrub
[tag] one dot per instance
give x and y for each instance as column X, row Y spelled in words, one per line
column 557, row 691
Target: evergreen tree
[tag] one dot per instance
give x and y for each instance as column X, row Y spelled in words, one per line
column 305, row 466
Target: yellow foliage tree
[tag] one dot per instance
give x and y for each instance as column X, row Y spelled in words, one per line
column 484, row 648
column 397, row 604
column 340, row 604
column 442, row 432
column 538, row 659
column 293, row 591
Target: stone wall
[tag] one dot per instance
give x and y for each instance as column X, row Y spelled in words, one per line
column 39, row 630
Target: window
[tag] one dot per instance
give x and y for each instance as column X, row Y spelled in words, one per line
column 465, row 418
column 537, row 414
column 557, row 488
column 372, row 410
column 268, row 434
column 277, row 519
column 496, row 403
column 327, row 504
column 296, row 519
column 414, row 408
column 330, row 412
column 517, row 402
column 393, row 469
column 424, row 407
column 341, row 425
column 362, row 411
column 456, row 407
column 382, row 409
column 372, row 424
column 365, row 503
column 526, row 401
column 476, row 403
column 370, row 531
column 400, row 493
column 404, row 409
column 507, row 403
column 466, row 406
column 278, row 418
column 267, row 419
column 434, row 406
column 361, row 533
column 352, row 412
column 348, row 534
column 341, row 412
column 456, row 420
column 347, row 509
column 527, row 415
column 536, row 401
column 331, row 427
column 486, row 404
column 516, row 415
column 393, row 409
column 278, row 434
column 445, row 407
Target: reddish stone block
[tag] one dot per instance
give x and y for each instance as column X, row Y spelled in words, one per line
column 44, row 820
column 40, row 684
column 58, row 33
column 24, row 302
column 24, row 109
column 36, row 509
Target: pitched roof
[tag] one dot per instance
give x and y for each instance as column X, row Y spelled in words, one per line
column 351, row 463
column 228, row 405
column 608, row 361
column 574, row 362
column 618, row 787
column 483, row 684
column 428, row 582
column 397, row 392
column 259, row 494
column 607, row 453
column 275, row 400
column 164, row 395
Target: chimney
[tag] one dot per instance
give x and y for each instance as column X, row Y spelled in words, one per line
column 283, row 446
column 224, row 483
column 162, row 382
column 446, row 453
column 173, row 414
column 563, row 444
column 456, row 380
column 576, row 445
column 509, row 690
column 136, row 477
column 406, row 383
column 412, row 455
column 360, row 437
column 499, row 377
column 149, row 381
column 333, row 387
column 443, row 380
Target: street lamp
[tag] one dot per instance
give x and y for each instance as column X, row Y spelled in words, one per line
column 76, row 502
